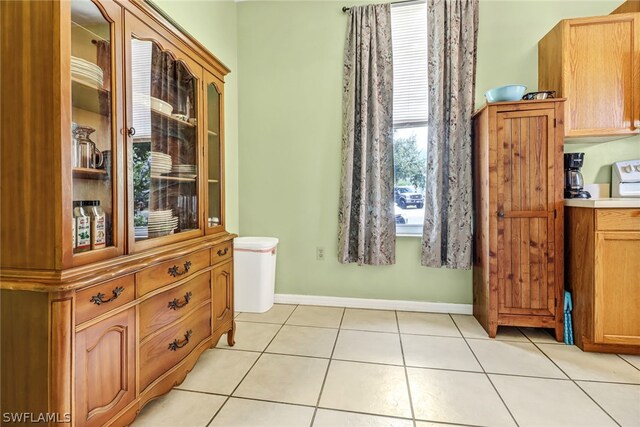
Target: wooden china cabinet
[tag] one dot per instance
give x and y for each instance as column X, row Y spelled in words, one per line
column 117, row 271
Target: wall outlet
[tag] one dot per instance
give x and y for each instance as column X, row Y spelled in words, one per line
column 320, row 253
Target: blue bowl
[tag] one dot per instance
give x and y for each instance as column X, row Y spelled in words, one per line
column 505, row 93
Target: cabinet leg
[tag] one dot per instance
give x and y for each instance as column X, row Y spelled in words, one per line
column 559, row 332
column 493, row 330
column 231, row 335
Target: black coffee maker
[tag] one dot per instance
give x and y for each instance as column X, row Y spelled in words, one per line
column 573, row 181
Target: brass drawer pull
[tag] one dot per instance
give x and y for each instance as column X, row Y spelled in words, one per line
column 223, row 252
column 99, row 298
column 173, row 271
column 175, row 304
column 175, row 345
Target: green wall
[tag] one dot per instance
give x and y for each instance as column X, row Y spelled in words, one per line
column 288, row 57
column 214, row 24
column 508, row 53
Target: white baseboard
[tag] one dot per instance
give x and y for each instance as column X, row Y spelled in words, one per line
column 378, row 304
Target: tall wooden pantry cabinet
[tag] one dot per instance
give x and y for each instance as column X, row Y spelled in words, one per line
column 116, row 268
column 518, row 214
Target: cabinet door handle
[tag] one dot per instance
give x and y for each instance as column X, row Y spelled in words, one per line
column 176, row 304
column 131, row 131
column 99, row 297
column 500, row 214
column 176, row 344
column 174, row 271
column 223, row 252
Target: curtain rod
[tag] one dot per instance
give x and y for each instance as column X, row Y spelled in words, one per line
column 345, row 8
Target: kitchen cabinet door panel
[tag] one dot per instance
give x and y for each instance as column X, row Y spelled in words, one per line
column 525, row 213
column 617, row 288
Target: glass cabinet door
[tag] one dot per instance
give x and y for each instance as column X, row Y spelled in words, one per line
column 93, row 139
column 214, row 187
column 164, row 136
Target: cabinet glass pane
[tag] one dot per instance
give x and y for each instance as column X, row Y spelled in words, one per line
column 92, row 136
column 213, row 139
column 165, row 190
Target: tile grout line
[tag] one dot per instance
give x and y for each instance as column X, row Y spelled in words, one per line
column 484, row 371
column 573, row 381
column 404, row 367
column 634, row 366
column 252, row 366
column 326, row 373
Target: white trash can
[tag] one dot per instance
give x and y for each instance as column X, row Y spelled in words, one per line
column 254, row 269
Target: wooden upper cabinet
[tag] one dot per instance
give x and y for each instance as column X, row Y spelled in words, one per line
column 595, row 64
column 630, row 6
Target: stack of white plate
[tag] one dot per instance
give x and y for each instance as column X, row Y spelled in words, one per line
column 160, row 163
column 162, row 223
column 160, row 106
column 184, row 170
column 86, row 72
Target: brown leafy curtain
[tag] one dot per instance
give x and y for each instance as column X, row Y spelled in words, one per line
column 452, row 39
column 367, row 222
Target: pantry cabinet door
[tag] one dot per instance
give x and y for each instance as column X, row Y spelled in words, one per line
column 526, row 213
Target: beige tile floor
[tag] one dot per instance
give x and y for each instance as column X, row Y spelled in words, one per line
column 334, row 367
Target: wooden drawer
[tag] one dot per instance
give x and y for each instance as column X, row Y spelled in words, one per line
column 221, row 252
column 618, row 219
column 100, row 298
column 162, row 274
column 168, row 306
column 164, row 350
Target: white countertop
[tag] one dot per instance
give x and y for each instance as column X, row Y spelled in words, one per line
column 621, row 203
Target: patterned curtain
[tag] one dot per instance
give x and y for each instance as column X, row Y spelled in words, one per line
column 367, row 221
column 452, row 39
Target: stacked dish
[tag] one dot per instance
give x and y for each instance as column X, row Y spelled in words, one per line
column 187, row 171
column 160, row 106
column 160, row 163
column 162, row 223
column 86, row 72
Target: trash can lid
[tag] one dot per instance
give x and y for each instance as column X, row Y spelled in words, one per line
column 255, row 242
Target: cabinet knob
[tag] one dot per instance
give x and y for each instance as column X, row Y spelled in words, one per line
column 500, row 214
column 131, row 131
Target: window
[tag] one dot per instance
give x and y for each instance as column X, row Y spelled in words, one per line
column 410, row 114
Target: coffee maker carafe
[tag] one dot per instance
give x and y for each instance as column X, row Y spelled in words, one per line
column 573, row 181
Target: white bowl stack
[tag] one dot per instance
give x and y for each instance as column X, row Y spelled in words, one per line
column 160, row 106
column 86, row 72
column 160, row 163
column 162, row 223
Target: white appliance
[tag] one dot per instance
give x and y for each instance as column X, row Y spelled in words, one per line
column 625, row 179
